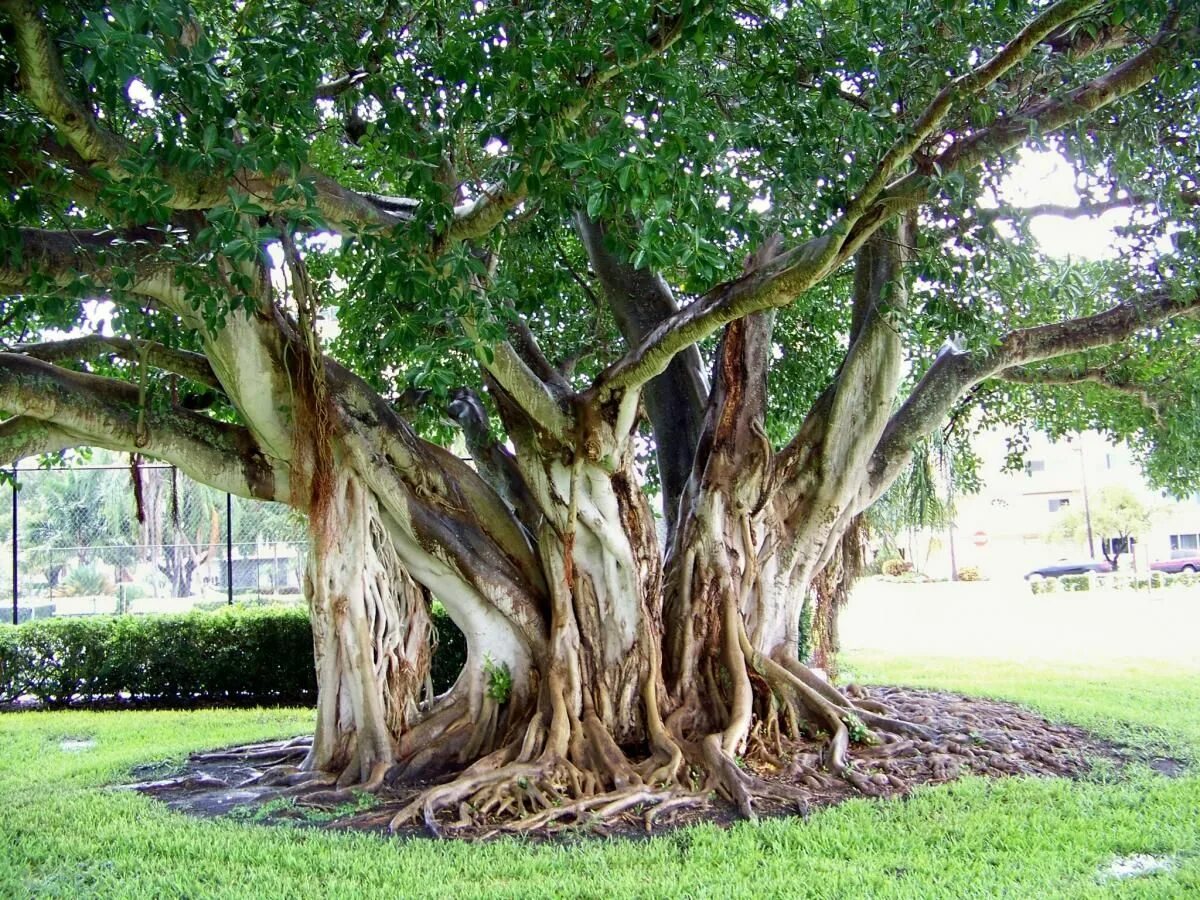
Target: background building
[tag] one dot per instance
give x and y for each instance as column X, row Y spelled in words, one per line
column 1008, row 528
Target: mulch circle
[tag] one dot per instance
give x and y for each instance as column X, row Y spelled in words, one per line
column 976, row 736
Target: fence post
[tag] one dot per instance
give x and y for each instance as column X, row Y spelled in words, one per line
column 229, row 547
column 16, row 577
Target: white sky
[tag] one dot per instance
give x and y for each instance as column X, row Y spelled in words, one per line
column 1047, row 177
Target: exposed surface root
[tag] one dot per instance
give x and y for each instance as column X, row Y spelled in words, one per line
column 533, row 786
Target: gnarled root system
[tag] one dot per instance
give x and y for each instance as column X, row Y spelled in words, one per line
column 554, row 776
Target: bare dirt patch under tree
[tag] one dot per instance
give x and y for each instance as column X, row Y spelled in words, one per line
column 966, row 735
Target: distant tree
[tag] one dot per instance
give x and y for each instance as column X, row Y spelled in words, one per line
column 1117, row 516
column 180, row 527
column 74, row 515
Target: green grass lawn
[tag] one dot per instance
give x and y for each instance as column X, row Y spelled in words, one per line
column 64, row 833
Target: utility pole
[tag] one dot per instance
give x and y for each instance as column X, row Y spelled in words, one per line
column 16, row 576
column 1087, row 506
column 229, row 548
column 950, row 523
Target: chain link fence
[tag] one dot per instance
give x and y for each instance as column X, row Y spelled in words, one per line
column 96, row 539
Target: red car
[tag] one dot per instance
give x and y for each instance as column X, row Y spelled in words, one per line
column 1182, row 564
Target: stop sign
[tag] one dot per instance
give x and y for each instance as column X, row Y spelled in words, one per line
column 981, row 538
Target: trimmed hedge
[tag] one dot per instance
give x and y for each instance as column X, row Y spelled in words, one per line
column 243, row 656
column 1115, row 581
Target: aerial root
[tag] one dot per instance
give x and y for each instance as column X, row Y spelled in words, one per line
column 275, row 751
column 564, row 769
column 512, row 789
column 612, row 803
column 532, row 783
column 315, row 790
column 742, row 787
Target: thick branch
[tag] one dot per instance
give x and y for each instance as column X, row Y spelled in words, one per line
column 335, row 87
column 442, row 481
column 63, row 258
column 774, row 284
column 1047, row 116
column 676, row 399
column 954, row 373
column 105, row 412
column 513, row 374
column 22, row 437
column 44, row 82
column 192, row 366
column 528, row 348
column 821, row 467
column 959, row 90
column 1084, row 209
column 792, row 273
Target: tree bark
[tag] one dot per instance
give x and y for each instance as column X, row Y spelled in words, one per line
column 371, row 640
column 676, row 399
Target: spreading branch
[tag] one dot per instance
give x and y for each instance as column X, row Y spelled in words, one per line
column 779, row 282
column 23, row 436
column 106, row 412
column 1051, row 114
column 1083, row 210
column 44, row 82
column 957, row 91
column 513, row 374
column 952, row 373
column 1095, row 375
column 192, row 366
column 68, row 259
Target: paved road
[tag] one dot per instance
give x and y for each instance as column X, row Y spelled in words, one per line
column 1004, row 620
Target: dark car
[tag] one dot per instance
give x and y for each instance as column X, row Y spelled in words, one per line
column 1069, row 567
column 1172, row 566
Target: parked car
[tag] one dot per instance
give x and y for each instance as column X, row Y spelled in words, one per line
column 1069, row 567
column 1172, row 566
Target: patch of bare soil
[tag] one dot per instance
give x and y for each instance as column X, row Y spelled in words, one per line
column 975, row 736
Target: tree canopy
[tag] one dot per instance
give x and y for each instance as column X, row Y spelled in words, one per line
column 687, row 135
column 745, row 257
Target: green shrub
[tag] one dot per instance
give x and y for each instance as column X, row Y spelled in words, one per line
column 970, row 573
column 1075, row 582
column 247, row 601
column 450, row 651
column 233, row 655
column 896, row 567
column 12, row 663
column 87, row 581
column 805, row 647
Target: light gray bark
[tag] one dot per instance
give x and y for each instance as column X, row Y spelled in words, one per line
column 675, row 400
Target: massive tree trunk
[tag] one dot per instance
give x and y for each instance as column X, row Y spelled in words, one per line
column 601, row 672
column 371, row 637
